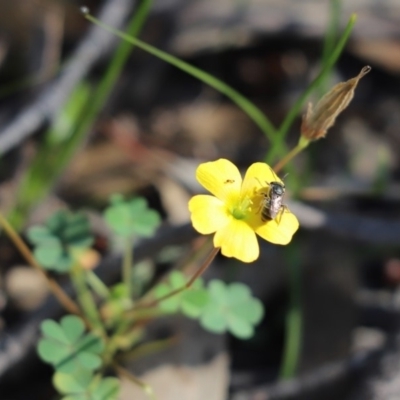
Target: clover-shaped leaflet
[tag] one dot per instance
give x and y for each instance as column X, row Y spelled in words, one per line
column 58, row 237
column 67, row 347
column 190, row 301
column 232, row 309
column 82, row 385
column 131, row 217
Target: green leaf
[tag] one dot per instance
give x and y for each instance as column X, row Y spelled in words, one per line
column 213, row 320
column 128, row 218
column 72, row 383
column 190, row 301
column 38, row 234
column 170, row 305
column 218, row 291
column 193, row 302
column 252, row 310
column 48, row 254
column 82, row 385
column 239, row 327
column 73, row 327
column 67, row 347
column 238, row 292
column 53, row 330
column 231, row 308
column 56, row 241
column 106, row 389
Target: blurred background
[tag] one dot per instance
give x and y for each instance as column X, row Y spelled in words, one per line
column 340, row 275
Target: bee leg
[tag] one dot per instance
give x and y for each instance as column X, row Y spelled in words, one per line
column 282, row 210
column 264, row 201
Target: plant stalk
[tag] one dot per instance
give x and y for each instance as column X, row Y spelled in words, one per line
column 207, row 262
column 55, row 288
column 86, row 300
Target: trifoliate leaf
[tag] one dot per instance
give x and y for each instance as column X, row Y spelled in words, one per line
column 231, row 308
column 56, row 241
column 190, row 301
column 67, row 348
column 133, row 217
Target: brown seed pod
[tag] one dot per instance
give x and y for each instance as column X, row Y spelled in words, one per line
column 317, row 121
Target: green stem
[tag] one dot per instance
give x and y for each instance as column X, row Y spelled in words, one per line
column 289, row 156
column 86, row 300
column 246, row 105
column 56, row 289
column 294, row 323
column 332, row 31
column 97, row 284
column 52, row 158
column 148, row 348
column 197, row 274
column 127, row 263
column 294, row 111
column 104, row 88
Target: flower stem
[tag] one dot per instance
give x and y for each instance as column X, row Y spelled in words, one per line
column 190, row 282
column 258, row 117
column 289, row 156
column 55, row 288
column 86, row 300
column 294, row 111
column 127, row 266
column 294, row 324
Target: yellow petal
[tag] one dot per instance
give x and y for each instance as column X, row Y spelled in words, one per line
column 280, row 230
column 238, row 240
column 208, row 213
column 257, row 176
column 221, row 178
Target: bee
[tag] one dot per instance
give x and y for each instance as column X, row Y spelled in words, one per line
column 271, row 205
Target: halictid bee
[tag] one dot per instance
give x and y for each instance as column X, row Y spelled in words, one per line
column 271, row 205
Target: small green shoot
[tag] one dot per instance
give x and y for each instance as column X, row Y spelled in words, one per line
column 232, row 309
column 66, row 346
column 57, row 240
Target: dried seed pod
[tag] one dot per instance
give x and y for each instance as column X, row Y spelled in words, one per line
column 317, row 121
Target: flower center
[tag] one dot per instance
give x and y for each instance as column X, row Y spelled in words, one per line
column 242, row 209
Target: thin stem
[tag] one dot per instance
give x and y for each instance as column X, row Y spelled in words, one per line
column 294, row 323
column 148, row 348
column 143, row 385
column 196, row 253
column 97, row 284
column 86, row 300
column 197, row 274
column 289, row 156
column 294, row 111
column 127, row 263
column 55, row 288
column 332, row 31
column 245, row 104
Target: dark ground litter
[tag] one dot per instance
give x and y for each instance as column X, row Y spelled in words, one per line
column 349, row 259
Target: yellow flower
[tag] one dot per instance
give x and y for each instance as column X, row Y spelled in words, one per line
column 234, row 212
